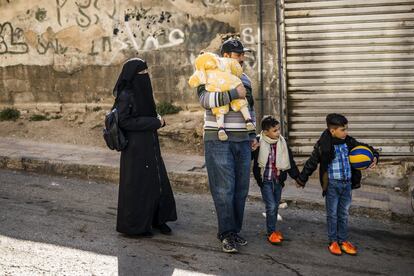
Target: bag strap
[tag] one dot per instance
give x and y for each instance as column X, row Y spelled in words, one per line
column 116, row 100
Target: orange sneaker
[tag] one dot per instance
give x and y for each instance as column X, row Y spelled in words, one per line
column 348, row 248
column 274, row 239
column 279, row 234
column 335, row 249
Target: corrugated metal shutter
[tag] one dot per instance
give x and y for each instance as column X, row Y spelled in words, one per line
column 354, row 57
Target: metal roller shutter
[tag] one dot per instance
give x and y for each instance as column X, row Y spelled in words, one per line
column 354, row 57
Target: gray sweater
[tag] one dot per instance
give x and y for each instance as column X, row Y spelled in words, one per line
column 233, row 121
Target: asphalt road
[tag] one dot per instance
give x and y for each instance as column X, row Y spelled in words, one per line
column 59, row 226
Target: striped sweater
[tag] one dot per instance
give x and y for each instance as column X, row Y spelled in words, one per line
column 233, row 121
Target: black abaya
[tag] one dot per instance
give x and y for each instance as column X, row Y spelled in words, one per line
column 145, row 195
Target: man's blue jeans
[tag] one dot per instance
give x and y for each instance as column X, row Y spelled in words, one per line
column 271, row 193
column 228, row 168
column 338, row 200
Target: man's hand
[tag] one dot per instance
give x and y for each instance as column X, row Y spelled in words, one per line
column 254, row 144
column 374, row 163
column 241, row 91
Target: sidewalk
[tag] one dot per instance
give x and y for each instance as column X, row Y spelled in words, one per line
column 187, row 173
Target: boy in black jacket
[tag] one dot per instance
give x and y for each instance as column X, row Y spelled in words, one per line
column 276, row 160
column 337, row 178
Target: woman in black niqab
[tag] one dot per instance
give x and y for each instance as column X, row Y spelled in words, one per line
column 146, row 200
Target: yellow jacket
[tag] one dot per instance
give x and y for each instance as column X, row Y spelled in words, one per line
column 218, row 75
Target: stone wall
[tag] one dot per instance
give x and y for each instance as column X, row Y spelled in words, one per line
column 68, row 51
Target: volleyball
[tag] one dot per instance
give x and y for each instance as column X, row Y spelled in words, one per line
column 361, row 157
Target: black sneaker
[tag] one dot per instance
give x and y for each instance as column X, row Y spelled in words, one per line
column 229, row 245
column 239, row 240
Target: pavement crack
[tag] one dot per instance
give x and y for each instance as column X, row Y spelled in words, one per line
column 284, row 265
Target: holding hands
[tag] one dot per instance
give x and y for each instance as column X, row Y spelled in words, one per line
column 299, row 183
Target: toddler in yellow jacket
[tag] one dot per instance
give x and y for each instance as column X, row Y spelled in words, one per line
column 221, row 74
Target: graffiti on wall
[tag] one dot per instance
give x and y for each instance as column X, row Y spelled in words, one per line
column 109, row 29
column 88, row 11
column 41, row 14
column 54, row 46
column 215, row 3
column 101, row 45
column 248, row 37
column 12, row 40
column 146, row 30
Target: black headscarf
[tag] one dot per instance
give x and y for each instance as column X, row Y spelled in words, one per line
column 139, row 85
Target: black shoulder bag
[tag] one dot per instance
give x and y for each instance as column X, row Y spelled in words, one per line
column 112, row 134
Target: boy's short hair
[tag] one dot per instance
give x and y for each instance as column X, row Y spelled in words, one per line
column 268, row 122
column 335, row 120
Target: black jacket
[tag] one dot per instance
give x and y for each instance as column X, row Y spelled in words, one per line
column 317, row 156
column 258, row 174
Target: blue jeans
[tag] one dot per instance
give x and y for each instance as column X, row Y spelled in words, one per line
column 228, row 168
column 271, row 194
column 338, row 200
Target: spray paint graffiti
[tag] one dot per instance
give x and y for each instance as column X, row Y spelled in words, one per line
column 106, row 46
column 249, row 38
column 44, row 46
column 88, row 12
column 161, row 39
column 40, row 14
column 215, row 3
column 142, row 14
column 175, row 37
column 145, row 31
column 250, row 59
column 59, row 6
column 142, row 28
column 12, row 40
column 83, row 19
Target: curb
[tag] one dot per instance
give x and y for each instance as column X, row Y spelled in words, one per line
column 183, row 181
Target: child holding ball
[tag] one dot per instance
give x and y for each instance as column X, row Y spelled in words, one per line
column 338, row 176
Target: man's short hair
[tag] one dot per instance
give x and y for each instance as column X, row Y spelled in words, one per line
column 268, row 122
column 335, row 120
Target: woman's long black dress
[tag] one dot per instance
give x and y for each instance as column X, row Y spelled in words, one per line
column 145, row 195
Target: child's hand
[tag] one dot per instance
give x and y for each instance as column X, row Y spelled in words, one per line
column 254, row 144
column 161, row 120
column 299, row 183
column 374, row 163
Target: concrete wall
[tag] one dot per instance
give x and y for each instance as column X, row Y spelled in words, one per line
column 250, row 28
column 68, row 51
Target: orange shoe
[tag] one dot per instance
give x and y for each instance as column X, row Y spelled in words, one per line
column 279, row 234
column 335, row 249
column 274, row 239
column 348, row 248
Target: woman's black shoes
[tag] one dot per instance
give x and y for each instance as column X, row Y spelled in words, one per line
column 147, row 234
column 164, row 229
column 138, row 236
